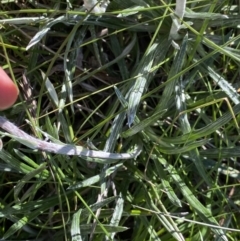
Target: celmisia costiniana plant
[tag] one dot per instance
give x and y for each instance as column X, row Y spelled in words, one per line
column 96, row 6
column 176, row 21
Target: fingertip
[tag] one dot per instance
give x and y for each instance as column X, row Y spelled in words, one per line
column 8, row 91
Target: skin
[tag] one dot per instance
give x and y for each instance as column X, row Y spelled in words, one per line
column 8, row 91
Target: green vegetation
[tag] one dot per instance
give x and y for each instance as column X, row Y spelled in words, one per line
column 115, row 83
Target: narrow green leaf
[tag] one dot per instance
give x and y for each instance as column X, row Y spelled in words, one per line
column 143, row 124
column 75, row 227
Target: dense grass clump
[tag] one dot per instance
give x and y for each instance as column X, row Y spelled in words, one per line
column 121, row 131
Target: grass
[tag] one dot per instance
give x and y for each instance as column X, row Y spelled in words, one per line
column 106, row 86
